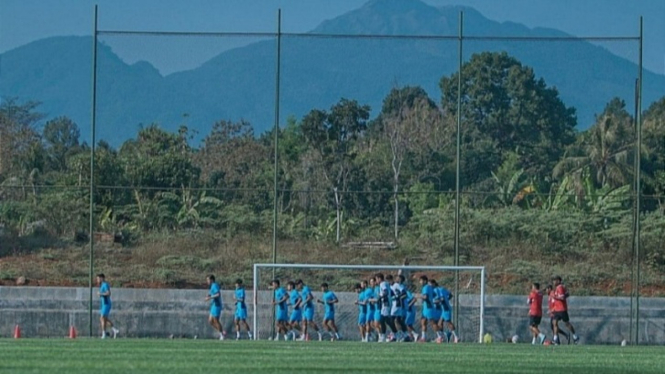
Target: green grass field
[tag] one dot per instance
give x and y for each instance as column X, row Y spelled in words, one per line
column 87, row 356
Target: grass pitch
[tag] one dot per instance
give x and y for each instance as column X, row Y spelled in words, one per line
column 208, row 356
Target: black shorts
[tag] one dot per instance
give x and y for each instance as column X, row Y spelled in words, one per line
column 534, row 321
column 560, row 316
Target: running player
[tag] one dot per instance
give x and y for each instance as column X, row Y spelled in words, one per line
column 427, row 297
column 215, row 298
column 561, row 309
column 240, row 316
column 308, row 310
column 535, row 302
column 329, row 300
column 410, row 318
column 362, row 309
column 281, row 311
column 296, row 312
column 398, row 310
column 447, row 314
column 371, row 307
column 549, row 290
column 437, row 311
column 377, row 307
column 105, row 306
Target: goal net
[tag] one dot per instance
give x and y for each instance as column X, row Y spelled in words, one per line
column 467, row 303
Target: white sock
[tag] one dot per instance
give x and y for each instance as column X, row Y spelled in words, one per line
column 533, row 341
column 249, row 333
column 238, row 334
column 422, row 334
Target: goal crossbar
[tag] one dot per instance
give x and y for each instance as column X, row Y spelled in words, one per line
column 258, row 266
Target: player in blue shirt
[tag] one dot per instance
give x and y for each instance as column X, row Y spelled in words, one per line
column 281, row 311
column 428, row 312
column 241, row 309
column 371, row 308
column 307, row 303
column 410, row 318
column 447, row 312
column 105, row 306
column 329, row 300
column 362, row 308
column 438, row 309
column 296, row 309
column 398, row 308
column 215, row 298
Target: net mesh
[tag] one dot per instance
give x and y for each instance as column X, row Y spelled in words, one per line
column 342, row 279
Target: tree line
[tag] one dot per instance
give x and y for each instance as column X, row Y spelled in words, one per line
column 342, row 174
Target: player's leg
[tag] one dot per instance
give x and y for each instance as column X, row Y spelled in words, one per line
column 333, row 326
column 423, row 328
column 236, row 323
column 566, row 321
column 447, row 318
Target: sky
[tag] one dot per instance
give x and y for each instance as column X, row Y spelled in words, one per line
column 24, row 21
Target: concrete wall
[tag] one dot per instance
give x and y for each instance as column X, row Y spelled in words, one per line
column 49, row 311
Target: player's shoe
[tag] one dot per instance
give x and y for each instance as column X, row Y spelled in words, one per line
column 221, row 336
column 115, row 332
column 576, row 339
column 456, row 339
column 439, row 339
column 103, row 334
column 422, row 340
column 541, row 338
column 320, row 336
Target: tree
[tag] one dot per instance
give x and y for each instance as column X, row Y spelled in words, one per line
column 61, row 136
column 333, row 136
column 604, row 150
column 233, row 159
column 505, row 108
column 408, row 120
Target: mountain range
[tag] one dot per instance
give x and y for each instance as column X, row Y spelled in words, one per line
column 316, row 71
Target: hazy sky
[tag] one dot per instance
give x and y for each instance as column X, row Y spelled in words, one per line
column 23, row 21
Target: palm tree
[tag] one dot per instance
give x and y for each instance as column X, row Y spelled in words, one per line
column 604, row 150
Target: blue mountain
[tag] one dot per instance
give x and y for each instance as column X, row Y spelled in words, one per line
column 316, row 71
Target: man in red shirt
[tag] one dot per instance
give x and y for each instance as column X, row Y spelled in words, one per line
column 550, row 309
column 535, row 302
column 560, row 309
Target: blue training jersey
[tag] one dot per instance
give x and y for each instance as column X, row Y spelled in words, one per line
column 369, row 294
column 240, row 298
column 305, row 293
column 103, row 288
column 362, row 298
column 294, row 296
column 327, row 298
column 279, row 295
column 214, row 289
column 444, row 296
column 427, row 291
column 407, row 301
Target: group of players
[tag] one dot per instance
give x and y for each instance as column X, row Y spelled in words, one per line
column 557, row 295
column 384, row 302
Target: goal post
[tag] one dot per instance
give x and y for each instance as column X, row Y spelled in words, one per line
column 341, row 279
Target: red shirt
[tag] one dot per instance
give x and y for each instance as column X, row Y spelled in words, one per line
column 536, row 303
column 550, row 302
column 560, row 296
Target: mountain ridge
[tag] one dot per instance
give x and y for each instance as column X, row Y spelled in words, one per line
column 316, row 72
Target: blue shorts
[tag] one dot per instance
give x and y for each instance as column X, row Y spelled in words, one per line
column 410, row 318
column 329, row 316
column 105, row 310
column 377, row 315
column 362, row 319
column 370, row 316
column 308, row 314
column 446, row 316
column 215, row 311
column 296, row 316
column 436, row 314
column 241, row 314
column 281, row 315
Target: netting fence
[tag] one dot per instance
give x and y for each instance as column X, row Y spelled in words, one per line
column 456, row 148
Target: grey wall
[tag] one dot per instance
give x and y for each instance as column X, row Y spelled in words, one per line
column 49, row 311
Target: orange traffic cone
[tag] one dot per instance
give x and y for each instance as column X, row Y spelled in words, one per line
column 72, row 332
column 17, row 332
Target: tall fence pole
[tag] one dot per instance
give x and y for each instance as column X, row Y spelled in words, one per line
column 276, row 141
column 457, row 166
column 638, row 186
column 93, row 111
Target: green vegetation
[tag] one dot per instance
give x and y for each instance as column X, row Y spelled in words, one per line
column 537, row 196
column 189, row 356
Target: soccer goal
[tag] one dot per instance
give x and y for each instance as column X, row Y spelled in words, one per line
column 341, row 280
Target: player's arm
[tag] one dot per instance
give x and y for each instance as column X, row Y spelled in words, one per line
column 413, row 301
column 333, row 300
